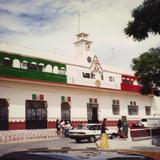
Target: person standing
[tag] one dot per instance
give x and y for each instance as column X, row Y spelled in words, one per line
column 119, row 126
column 67, row 128
column 125, row 129
column 58, row 126
column 62, row 126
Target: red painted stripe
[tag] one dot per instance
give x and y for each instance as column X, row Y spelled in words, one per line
column 17, row 125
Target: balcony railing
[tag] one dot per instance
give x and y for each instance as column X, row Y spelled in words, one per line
column 32, row 75
column 130, row 87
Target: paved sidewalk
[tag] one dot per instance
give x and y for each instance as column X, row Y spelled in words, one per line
column 42, row 136
column 134, row 145
column 25, row 135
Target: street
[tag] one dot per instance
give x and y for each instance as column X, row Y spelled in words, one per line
column 66, row 142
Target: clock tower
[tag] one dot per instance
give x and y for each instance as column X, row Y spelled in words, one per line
column 82, row 45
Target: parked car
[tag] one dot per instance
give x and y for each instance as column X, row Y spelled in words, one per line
column 137, row 125
column 151, row 122
column 90, row 132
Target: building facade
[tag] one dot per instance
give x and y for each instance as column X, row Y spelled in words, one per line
column 35, row 90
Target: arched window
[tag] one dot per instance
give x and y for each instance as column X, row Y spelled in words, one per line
column 16, row 63
column 7, row 62
column 41, row 67
column 24, row 65
column 55, row 70
column 62, row 71
column 32, row 66
column 48, row 68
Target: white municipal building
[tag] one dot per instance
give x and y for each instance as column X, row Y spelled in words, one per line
column 37, row 90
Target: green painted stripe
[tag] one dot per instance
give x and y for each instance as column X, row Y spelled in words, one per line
column 30, row 74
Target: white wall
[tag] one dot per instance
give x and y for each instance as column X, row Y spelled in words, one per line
column 156, row 103
column 75, row 76
column 17, row 93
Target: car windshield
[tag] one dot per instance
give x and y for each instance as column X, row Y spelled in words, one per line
column 83, row 127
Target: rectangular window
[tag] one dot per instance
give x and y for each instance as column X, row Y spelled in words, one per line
column 86, row 75
column 115, row 107
column 132, row 103
column 132, row 110
column 125, row 81
column 148, row 110
column 92, row 76
column 115, row 102
column 102, row 77
column 111, row 79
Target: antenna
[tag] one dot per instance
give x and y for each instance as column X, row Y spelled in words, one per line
column 79, row 21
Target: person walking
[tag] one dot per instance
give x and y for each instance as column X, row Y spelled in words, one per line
column 103, row 138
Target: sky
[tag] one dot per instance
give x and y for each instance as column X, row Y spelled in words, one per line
column 51, row 26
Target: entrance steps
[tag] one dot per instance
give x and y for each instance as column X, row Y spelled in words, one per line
column 25, row 135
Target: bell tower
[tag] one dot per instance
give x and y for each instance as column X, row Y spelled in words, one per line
column 82, row 45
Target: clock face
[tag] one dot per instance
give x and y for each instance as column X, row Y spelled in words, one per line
column 89, row 59
column 98, row 83
column 87, row 46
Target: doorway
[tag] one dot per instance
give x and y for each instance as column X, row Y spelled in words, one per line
column 4, row 117
column 36, row 114
column 92, row 113
column 65, row 111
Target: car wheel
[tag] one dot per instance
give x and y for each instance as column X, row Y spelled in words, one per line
column 92, row 139
column 113, row 136
column 78, row 140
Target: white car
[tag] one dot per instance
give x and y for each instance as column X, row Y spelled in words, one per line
column 90, row 132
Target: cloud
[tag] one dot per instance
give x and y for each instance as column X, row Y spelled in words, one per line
column 51, row 25
column 4, row 11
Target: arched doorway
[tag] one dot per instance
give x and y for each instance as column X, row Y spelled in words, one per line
column 36, row 114
column 65, row 111
column 4, row 117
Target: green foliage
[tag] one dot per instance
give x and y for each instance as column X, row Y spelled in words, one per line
column 147, row 68
column 146, row 19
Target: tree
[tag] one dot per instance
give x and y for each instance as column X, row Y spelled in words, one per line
column 146, row 19
column 147, row 68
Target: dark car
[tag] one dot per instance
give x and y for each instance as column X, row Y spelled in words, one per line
column 70, row 154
